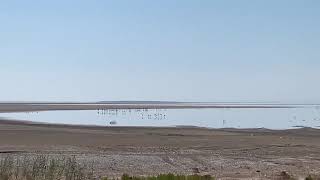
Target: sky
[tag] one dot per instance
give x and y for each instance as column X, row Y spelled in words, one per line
column 177, row 50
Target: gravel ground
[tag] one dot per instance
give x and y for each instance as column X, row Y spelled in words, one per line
column 223, row 153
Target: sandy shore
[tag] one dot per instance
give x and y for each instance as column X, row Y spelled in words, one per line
column 224, row 153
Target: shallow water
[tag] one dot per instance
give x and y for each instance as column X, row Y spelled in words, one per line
column 212, row 118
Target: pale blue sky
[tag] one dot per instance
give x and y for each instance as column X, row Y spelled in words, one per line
column 227, row 50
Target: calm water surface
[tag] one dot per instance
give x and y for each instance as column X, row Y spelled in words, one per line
column 211, row 118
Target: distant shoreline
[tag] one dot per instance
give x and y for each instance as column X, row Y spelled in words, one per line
column 6, row 107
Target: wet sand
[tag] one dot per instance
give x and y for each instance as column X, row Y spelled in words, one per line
column 224, row 153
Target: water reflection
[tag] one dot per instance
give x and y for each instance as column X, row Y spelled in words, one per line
column 212, row 118
column 156, row 114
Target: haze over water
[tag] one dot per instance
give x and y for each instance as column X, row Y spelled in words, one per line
column 284, row 118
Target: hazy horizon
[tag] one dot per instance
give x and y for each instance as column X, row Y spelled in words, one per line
column 164, row 51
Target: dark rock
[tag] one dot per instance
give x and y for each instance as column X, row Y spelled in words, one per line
column 196, row 170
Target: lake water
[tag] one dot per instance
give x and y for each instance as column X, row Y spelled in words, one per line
column 282, row 118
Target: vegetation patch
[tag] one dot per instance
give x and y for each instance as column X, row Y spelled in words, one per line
column 169, row 177
column 44, row 168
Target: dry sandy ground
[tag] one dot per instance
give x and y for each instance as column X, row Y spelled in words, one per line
column 225, row 153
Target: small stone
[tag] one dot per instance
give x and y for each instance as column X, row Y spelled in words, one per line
column 196, row 170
